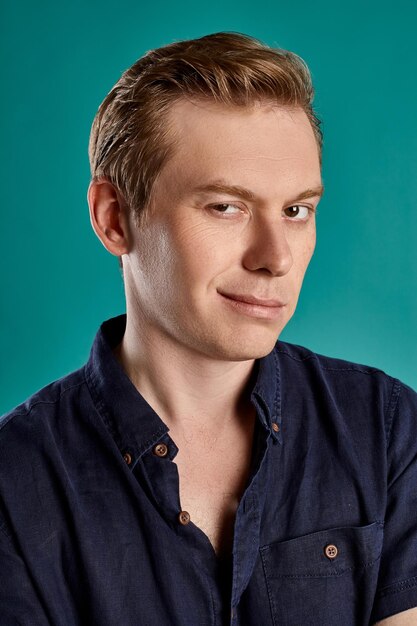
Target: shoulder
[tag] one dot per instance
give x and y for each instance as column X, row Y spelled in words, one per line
column 36, row 435
column 344, row 382
column 300, row 354
column 40, row 440
column 44, row 406
column 303, row 359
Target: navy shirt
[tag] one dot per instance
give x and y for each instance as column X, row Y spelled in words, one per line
column 325, row 533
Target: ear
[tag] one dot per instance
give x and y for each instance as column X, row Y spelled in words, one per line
column 108, row 215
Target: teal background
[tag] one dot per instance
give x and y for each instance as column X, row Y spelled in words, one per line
column 359, row 298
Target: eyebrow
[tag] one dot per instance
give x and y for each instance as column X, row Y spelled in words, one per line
column 246, row 194
column 310, row 193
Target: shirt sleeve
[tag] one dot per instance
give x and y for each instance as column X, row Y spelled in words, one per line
column 397, row 585
column 19, row 603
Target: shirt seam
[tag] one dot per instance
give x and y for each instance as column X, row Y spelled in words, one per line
column 392, row 408
column 98, row 403
column 236, row 568
column 277, row 399
column 14, row 414
column 377, row 522
column 398, row 587
column 368, row 371
column 342, row 572
column 5, row 529
column 268, row 590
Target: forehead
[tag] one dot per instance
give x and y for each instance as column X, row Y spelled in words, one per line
column 257, row 146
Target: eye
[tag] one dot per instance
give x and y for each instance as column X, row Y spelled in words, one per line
column 297, row 212
column 226, row 208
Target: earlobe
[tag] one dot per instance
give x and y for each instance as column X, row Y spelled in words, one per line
column 108, row 216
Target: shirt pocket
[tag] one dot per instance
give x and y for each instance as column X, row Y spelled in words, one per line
column 324, row 578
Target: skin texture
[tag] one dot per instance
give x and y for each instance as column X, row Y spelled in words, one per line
column 188, row 252
column 181, row 333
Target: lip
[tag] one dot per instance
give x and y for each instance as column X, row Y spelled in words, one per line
column 248, row 299
column 252, row 306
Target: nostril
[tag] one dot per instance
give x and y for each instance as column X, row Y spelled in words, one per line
column 271, row 259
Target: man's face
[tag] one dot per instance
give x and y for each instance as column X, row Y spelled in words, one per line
column 218, row 267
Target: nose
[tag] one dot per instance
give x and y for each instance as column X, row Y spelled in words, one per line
column 268, row 249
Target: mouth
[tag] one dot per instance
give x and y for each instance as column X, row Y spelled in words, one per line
column 254, row 307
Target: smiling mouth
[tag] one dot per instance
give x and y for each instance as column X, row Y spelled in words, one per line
column 253, row 306
column 253, row 300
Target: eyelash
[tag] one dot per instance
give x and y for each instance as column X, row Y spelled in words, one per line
column 310, row 210
column 214, row 207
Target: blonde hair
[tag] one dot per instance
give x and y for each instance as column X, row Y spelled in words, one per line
column 130, row 138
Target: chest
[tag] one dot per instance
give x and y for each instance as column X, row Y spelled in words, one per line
column 212, row 481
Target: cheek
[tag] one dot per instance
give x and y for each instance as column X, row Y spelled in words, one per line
column 197, row 238
column 198, row 250
column 310, row 248
column 303, row 250
column 169, row 264
column 152, row 261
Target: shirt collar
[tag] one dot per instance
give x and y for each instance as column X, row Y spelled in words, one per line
column 132, row 422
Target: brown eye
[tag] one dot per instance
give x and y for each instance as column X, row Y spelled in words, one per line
column 226, row 208
column 297, row 212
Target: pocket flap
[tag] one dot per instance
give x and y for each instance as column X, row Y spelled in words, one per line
column 326, row 553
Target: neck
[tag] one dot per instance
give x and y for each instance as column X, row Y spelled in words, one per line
column 187, row 389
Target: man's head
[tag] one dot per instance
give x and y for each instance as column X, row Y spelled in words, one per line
column 132, row 138
column 215, row 144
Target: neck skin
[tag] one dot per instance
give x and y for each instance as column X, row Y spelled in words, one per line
column 188, row 390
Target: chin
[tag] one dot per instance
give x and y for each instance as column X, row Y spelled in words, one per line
column 248, row 353
column 245, row 346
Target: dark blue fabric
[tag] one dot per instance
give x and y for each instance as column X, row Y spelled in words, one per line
column 86, row 538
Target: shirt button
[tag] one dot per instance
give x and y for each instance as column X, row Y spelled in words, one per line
column 127, row 457
column 184, row 518
column 160, row 450
column 275, row 427
column 331, row 551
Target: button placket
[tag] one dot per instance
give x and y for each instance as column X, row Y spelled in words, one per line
column 162, row 477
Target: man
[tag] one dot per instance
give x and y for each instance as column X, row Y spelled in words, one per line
column 195, row 471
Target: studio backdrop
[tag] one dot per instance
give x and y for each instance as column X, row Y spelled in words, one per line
column 359, row 300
